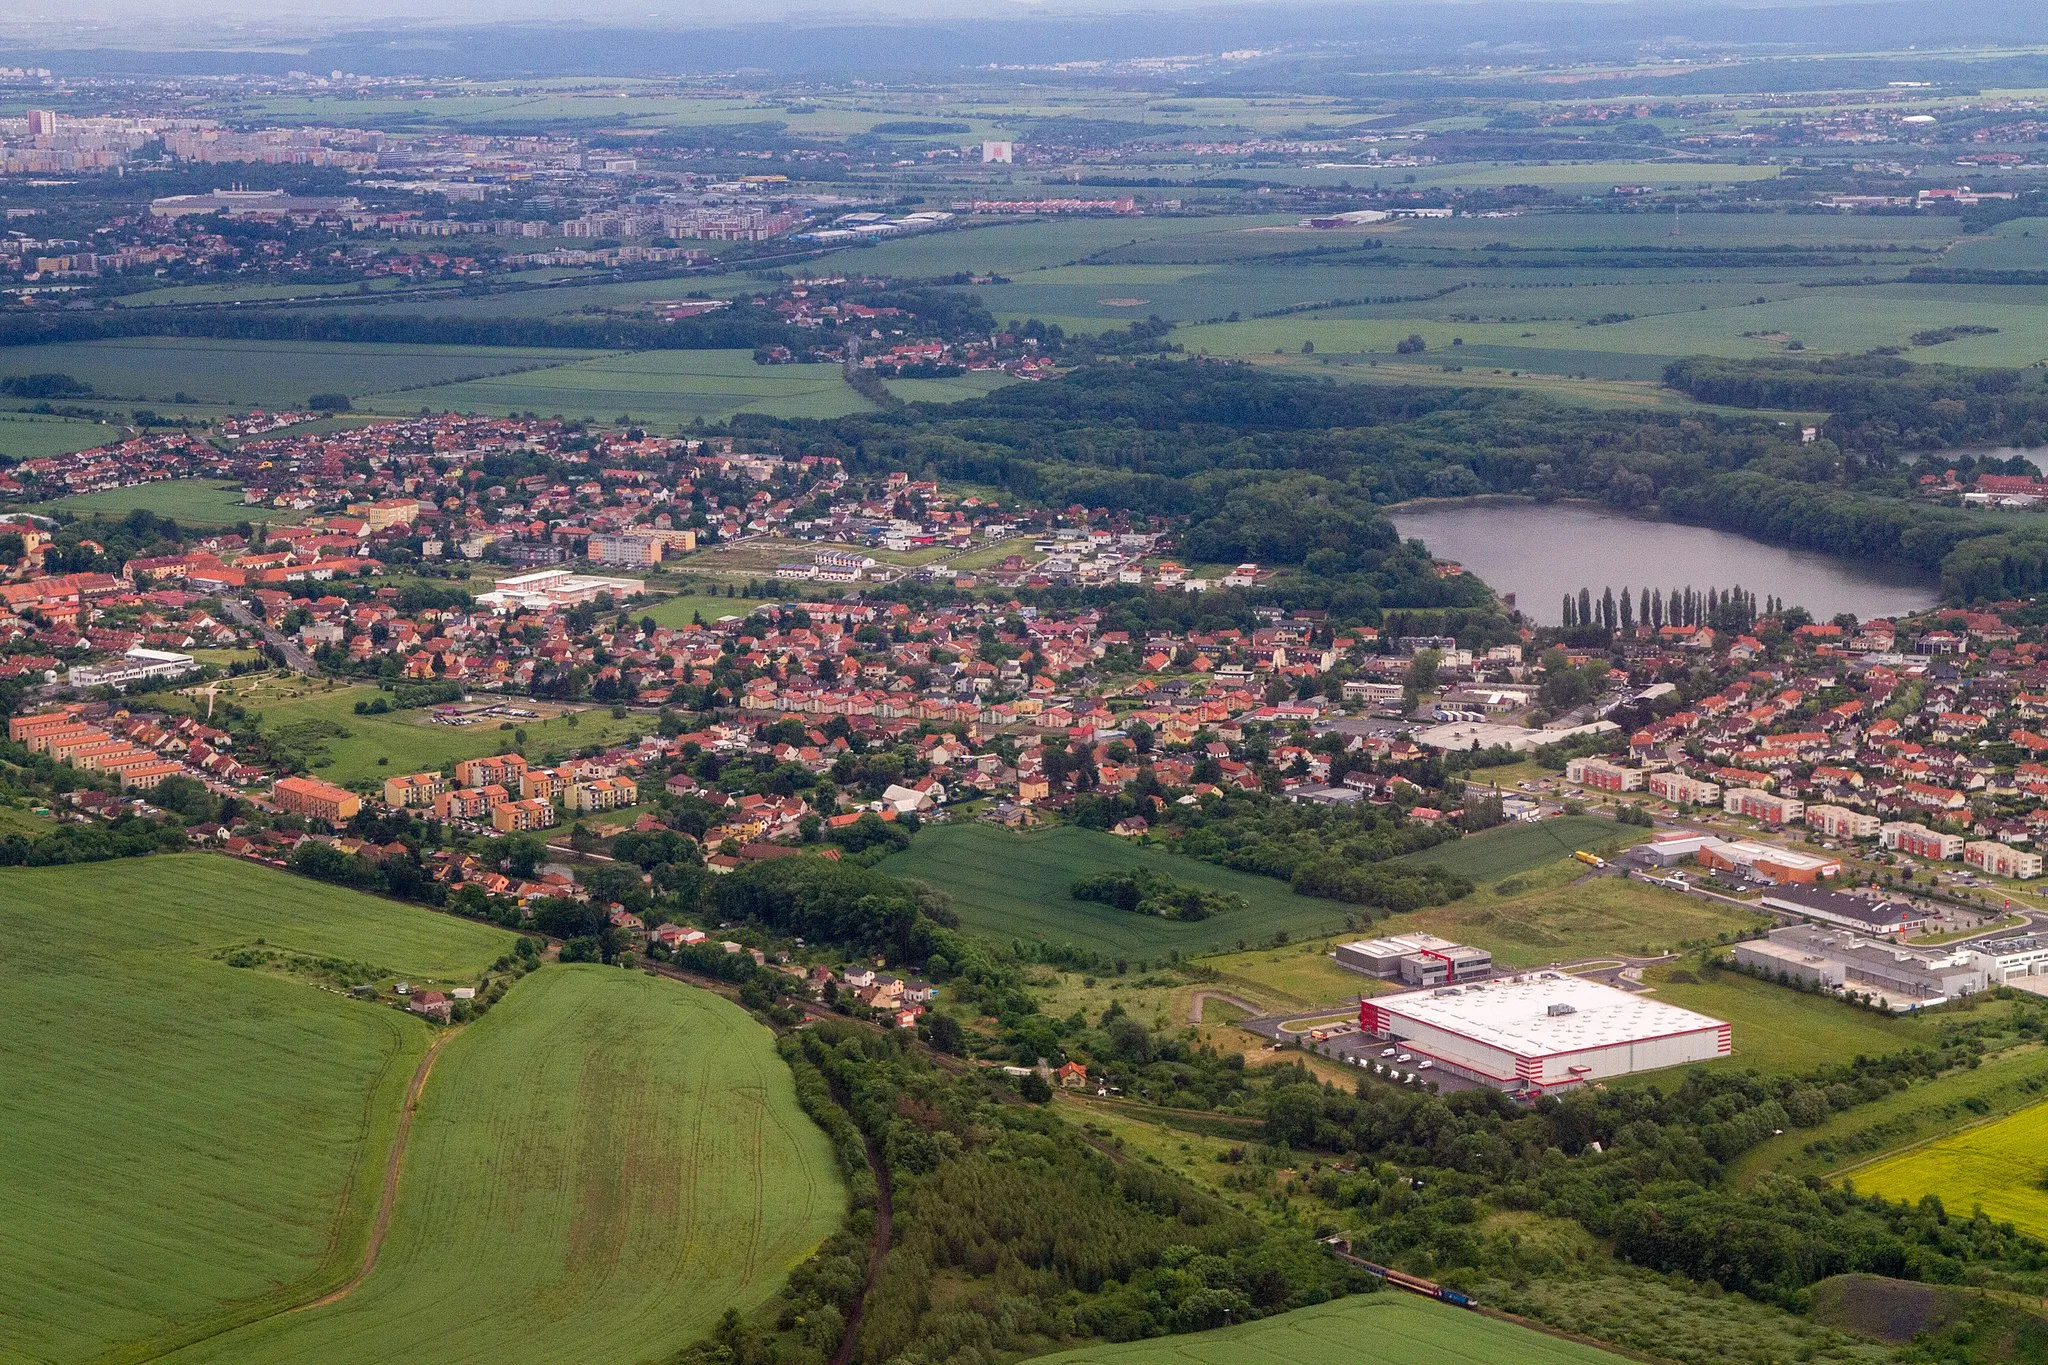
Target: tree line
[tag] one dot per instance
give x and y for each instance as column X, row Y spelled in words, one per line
column 1721, row 608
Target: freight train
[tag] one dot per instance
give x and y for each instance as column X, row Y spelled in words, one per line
column 1340, row 1247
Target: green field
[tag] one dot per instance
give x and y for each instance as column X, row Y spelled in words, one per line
column 192, row 502
column 31, row 436
column 1997, row 1167
column 1009, row 886
column 1388, row 1328
column 599, row 1169
column 1573, row 923
column 1778, row 1029
column 677, row 611
column 272, row 374
column 191, row 1144
column 2006, row 1081
column 670, row 387
column 1517, row 848
column 308, row 719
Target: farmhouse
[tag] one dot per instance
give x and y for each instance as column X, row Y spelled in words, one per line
column 1537, row 1034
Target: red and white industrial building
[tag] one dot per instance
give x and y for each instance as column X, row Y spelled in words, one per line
column 1543, row 1032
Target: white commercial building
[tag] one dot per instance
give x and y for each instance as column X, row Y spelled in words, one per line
column 1540, row 1033
column 135, row 666
column 1479, row 734
column 547, row 589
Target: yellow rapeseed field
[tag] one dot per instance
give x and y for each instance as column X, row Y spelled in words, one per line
column 1998, row 1167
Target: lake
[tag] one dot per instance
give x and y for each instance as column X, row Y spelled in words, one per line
column 1541, row 551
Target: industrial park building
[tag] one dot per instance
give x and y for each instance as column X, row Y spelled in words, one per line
column 1544, row 1032
column 1418, row 959
column 1840, row 959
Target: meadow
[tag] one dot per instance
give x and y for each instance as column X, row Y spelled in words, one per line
column 1997, row 1167
column 1783, row 1030
column 1015, row 886
column 1517, row 848
column 192, row 1144
column 599, row 1169
column 666, row 387
column 1387, row 1328
column 270, row 374
column 190, row 502
column 31, row 436
column 349, row 749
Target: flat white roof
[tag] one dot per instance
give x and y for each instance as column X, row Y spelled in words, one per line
column 1513, row 1014
column 1461, row 734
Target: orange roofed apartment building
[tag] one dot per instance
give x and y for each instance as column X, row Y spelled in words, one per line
column 315, row 799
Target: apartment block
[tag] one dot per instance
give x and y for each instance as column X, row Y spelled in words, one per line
column 1839, row 822
column 1601, row 775
column 1683, row 790
column 502, row 770
column 1761, row 805
column 513, row 816
column 414, row 789
column 603, row 793
column 2002, row 860
column 1902, row 836
column 315, row 799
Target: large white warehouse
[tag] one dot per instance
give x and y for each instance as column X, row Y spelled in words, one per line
column 1543, row 1032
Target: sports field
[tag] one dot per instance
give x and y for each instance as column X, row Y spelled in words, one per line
column 1388, row 1328
column 343, row 747
column 1014, row 886
column 1998, row 1167
column 599, row 1168
column 668, row 387
column 191, row 502
column 271, row 374
column 189, row 1143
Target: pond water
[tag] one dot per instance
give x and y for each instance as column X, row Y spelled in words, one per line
column 1539, row 552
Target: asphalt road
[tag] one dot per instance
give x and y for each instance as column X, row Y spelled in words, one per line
column 295, row 655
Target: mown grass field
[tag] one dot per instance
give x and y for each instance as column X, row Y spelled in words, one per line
column 1778, row 1029
column 190, row 502
column 599, row 1168
column 666, row 387
column 1997, row 1167
column 1014, row 886
column 1388, row 1328
column 346, row 748
column 189, row 1143
column 677, row 611
column 1517, row 848
column 272, row 374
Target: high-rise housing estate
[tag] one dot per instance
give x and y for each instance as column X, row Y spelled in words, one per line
column 42, row 123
